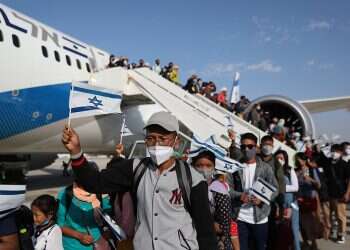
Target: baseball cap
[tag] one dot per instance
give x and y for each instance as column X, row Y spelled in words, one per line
column 165, row 120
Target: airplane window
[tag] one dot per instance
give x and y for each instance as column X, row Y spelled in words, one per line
column 1, row 36
column 78, row 64
column 88, row 67
column 68, row 60
column 44, row 51
column 15, row 41
column 57, row 56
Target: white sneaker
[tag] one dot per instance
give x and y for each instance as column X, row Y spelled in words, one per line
column 341, row 240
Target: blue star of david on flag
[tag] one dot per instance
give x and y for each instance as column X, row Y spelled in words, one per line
column 96, row 102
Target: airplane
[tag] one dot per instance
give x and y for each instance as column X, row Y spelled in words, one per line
column 38, row 65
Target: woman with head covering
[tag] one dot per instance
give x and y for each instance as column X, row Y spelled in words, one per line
column 220, row 202
column 77, row 218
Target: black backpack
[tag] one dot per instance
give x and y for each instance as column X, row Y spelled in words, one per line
column 184, row 178
column 24, row 222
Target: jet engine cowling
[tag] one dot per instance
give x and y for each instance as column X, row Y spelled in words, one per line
column 294, row 113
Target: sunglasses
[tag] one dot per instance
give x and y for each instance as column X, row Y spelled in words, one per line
column 249, row 146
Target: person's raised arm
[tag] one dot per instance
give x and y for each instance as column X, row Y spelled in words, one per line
column 118, row 177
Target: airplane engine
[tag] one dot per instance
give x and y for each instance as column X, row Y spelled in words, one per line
column 294, row 113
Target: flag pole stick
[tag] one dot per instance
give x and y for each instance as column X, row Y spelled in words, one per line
column 122, row 129
column 70, row 105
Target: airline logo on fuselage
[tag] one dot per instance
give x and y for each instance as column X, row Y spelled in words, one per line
column 61, row 42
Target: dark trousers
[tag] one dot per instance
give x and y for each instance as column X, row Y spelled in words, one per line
column 252, row 233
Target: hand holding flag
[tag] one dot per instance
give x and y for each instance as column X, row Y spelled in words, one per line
column 70, row 140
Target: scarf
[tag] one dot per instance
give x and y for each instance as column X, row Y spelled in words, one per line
column 83, row 195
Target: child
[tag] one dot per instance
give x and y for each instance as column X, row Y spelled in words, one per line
column 220, row 188
column 47, row 234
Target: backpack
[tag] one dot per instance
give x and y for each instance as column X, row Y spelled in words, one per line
column 24, row 222
column 184, row 178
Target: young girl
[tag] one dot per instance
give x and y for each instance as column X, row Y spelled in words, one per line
column 47, row 235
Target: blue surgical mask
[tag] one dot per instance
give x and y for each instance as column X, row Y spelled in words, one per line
column 44, row 223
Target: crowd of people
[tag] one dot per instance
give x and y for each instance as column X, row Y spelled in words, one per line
column 169, row 71
column 282, row 129
column 163, row 202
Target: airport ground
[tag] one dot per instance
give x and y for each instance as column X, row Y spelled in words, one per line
column 50, row 179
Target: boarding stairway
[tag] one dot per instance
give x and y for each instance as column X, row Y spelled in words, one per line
column 199, row 114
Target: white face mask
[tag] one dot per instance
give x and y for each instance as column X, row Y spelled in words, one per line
column 282, row 162
column 207, row 173
column 347, row 151
column 267, row 149
column 335, row 155
column 160, row 154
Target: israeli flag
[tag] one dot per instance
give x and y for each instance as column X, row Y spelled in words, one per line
column 222, row 162
column 113, row 226
column 11, row 198
column 263, row 190
column 228, row 122
column 235, row 89
column 86, row 100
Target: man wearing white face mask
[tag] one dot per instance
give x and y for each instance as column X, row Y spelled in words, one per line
column 266, row 150
column 346, row 152
column 166, row 217
column 338, row 182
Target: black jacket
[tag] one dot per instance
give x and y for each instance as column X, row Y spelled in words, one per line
column 337, row 176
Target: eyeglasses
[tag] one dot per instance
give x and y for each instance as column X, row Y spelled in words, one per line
column 160, row 140
column 249, row 146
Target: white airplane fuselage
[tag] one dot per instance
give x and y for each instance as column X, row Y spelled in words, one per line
column 38, row 64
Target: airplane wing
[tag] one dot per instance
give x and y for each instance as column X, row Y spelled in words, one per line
column 327, row 104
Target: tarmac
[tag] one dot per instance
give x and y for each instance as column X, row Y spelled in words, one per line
column 50, row 180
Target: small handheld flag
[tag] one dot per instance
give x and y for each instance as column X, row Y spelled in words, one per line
column 229, row 123
column 263, row 190
column 116, row 230
column 122, row 129
column 86, row 100
column 235, row 89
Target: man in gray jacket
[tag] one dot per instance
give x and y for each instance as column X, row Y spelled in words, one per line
column 250, row 212
column 163, row 221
